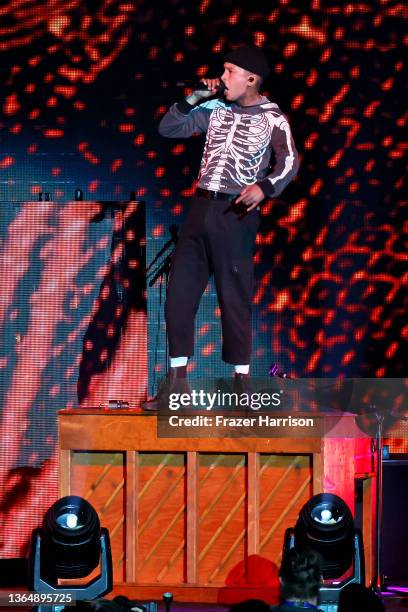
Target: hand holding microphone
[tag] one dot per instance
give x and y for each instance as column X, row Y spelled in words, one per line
column 205, row 89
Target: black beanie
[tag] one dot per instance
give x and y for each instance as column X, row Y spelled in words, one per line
column 250, row 58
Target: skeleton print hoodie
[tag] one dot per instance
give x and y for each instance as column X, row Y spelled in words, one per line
column 244, row 145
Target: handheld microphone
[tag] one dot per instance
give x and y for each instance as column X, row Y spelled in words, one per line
column 274, row 370
column 200, row 86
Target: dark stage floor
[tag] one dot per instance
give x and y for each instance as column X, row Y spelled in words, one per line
column 392, row 604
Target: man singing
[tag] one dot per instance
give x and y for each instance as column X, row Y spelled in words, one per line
column 249, row 155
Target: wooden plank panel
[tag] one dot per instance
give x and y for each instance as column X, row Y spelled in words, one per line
column 338, row 468
column 65, row 472
column 192, row 518
column 161, row 514
column 131, row 517
column 285, row 484
column 198, row 594
column 99, row 478
column 318, row 473
column 127, row 430
column 222, row 512
column 253, row 504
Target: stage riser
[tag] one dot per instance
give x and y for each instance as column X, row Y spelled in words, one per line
column 197, row 515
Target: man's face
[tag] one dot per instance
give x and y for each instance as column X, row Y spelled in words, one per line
column 235, row 80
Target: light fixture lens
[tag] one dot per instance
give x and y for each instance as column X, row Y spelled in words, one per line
column 68, row 520
column 326, row 516
column 72, row 521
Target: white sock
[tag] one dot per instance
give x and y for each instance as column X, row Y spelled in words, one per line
column 241, row 369
column 176, row 362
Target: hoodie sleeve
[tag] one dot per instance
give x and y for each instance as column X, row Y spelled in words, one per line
column 286, row 160
column 183, row 120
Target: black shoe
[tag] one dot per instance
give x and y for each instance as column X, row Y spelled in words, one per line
column 175, row 382
column 242, row 385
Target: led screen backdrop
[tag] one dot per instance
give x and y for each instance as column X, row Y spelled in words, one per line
column 83, row 88
column 73, row 325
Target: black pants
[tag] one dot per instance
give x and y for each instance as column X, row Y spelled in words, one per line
column 217, row 238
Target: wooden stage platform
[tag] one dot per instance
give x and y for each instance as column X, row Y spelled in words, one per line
column 202, row 517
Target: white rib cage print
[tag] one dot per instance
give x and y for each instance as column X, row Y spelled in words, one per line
column 235, row 146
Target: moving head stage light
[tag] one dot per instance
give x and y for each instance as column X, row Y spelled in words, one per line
column 70, row 545
column 325, row 524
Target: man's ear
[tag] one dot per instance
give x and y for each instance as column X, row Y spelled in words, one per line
column 253, row 80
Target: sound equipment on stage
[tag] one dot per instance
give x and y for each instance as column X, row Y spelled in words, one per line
column 115, row 404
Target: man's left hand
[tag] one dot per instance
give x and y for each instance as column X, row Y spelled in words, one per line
column 250, row 196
